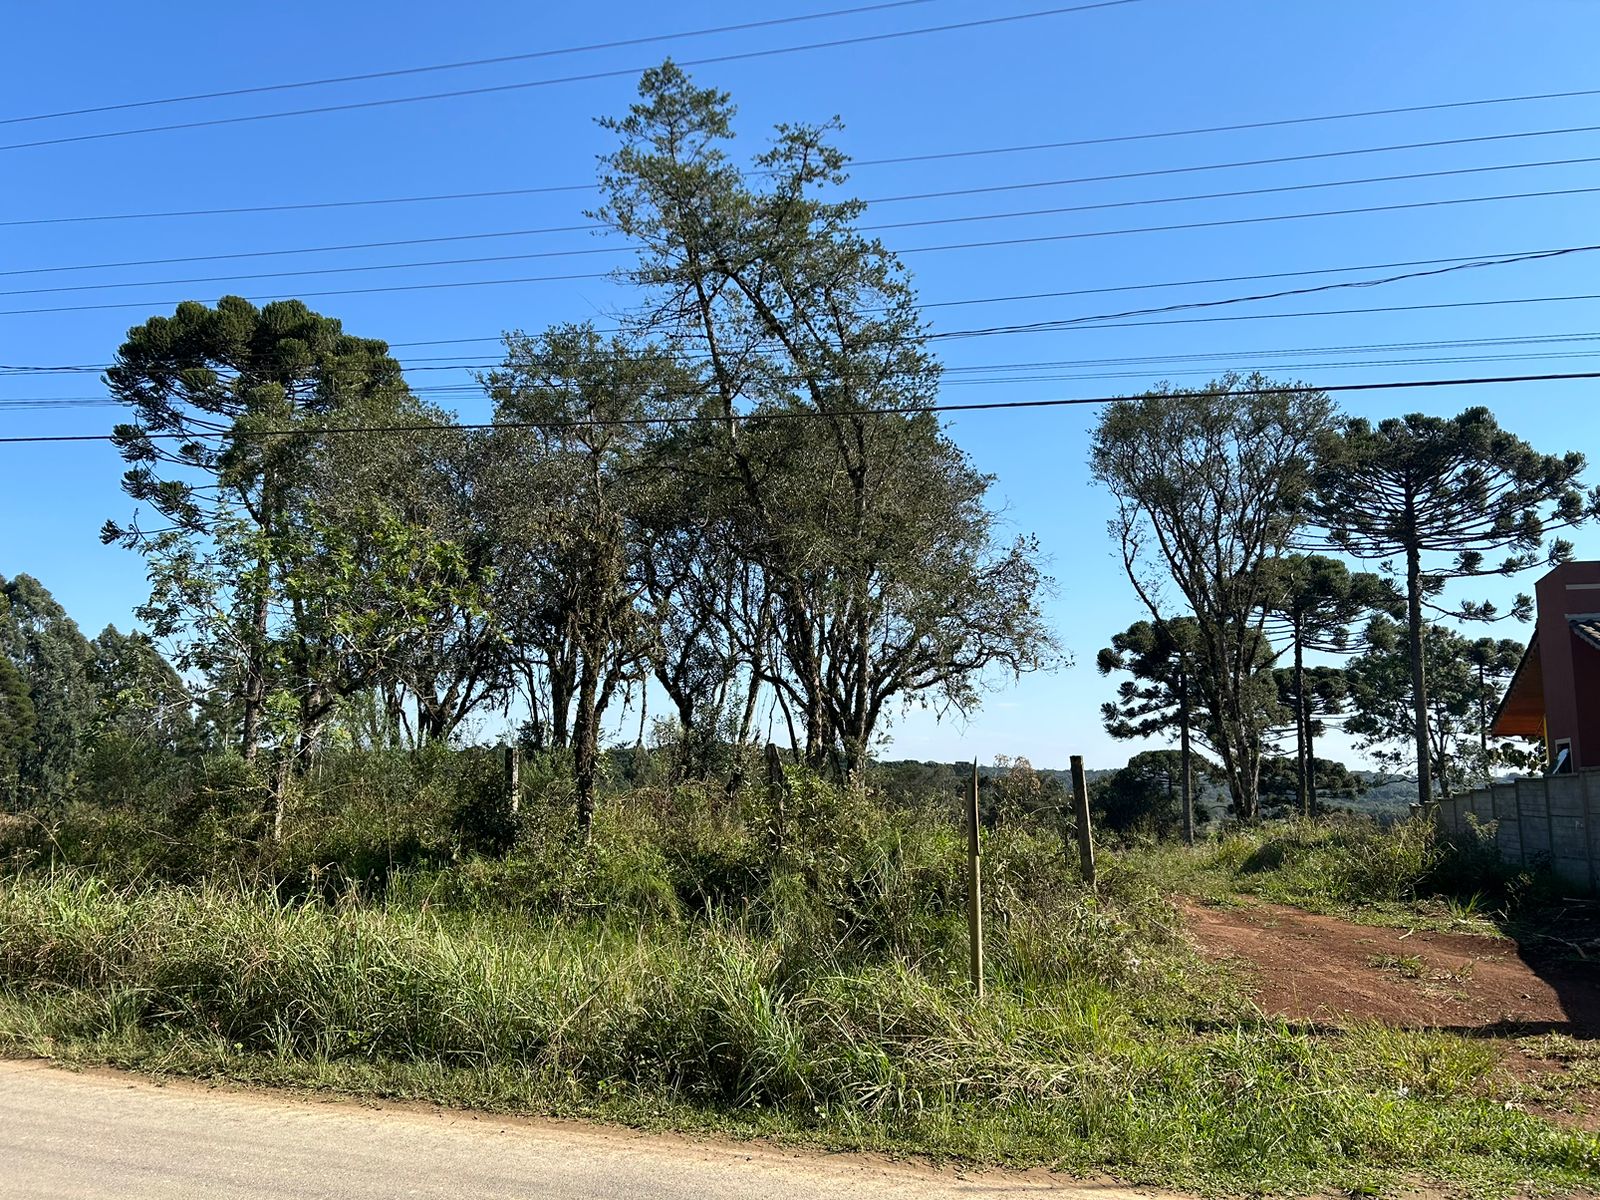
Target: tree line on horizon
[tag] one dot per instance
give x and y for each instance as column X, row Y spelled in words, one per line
column 743, row 499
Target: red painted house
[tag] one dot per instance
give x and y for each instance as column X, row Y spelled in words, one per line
column 1555, row 694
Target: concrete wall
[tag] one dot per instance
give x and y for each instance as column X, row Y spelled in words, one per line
column 1554, row 820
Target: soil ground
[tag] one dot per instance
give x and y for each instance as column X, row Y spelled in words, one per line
column 1308, row 967
column 1324, row 971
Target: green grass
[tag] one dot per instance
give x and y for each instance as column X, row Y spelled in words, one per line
column 683, row 971
column 1103, row 1045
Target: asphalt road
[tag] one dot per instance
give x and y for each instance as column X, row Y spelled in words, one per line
column 101, row 1134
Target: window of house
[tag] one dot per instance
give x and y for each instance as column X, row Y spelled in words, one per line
column 1561, row 763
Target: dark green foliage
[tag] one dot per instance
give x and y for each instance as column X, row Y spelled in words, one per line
column 1144, row 797
column 1163, row 659
column 17, row 723
column 1311, row 602
column 53, row 658
column 1444, row 496
column 1210, row 484
column 284, row 555
column 1335, row 783
column 1464, row 689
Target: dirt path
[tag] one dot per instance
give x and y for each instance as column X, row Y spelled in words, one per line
column 1315, row 968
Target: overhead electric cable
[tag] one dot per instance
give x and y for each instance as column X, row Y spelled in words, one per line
column 464, row 64
column 1485, row 259
column 811, row 414
column 709, row 60
column 1036, row 239
column 40, row 403
column 1032, row 364
column 600, row 228
column 868, row 162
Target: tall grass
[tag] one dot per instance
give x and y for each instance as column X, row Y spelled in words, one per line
column 754, row 1021
column 684, row 967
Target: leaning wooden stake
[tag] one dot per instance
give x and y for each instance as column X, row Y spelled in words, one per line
column 974, row 884
column 1080, row 801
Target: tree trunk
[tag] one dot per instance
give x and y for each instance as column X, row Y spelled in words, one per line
column 255, row 674
column 1311, row 769
column 1302, row 725
column 1184, row 759
column 1419, row 674
column 585, row 742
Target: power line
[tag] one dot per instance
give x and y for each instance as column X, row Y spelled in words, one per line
column 457, row 66
column 866, row 162
column 1037, row 364
column 598, row 228
column 814, row 414
column 1036, row 239
column 1451, row 268
column 1079, row 322
column 446, row 391
column 1505, row 256
column 1164, row 358
column 742, row 56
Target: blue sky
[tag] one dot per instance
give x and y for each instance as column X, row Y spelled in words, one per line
column 1151, row 66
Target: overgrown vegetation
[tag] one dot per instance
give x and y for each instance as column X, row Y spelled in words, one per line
column 682, row 967
column 271, row 856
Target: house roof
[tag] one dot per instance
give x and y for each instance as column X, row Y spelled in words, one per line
column 1521, row 711
column 1587, row 628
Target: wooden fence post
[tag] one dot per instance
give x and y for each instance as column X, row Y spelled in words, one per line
column 974, row 884
column 777, row 789
column 511, row 770
column 1080, row 801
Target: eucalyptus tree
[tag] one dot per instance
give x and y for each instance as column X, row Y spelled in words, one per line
column 1444, row 495
column 51, row 657
column 709, row 607
column 1209, row 485
column 869, row 528
column 1311, row 603
column 138, row 693
column 572, row 479
column 17, row 721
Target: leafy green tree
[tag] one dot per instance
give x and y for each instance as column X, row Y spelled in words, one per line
column 223, row 445
column 1312, row 601
column 1210, row 484
column 17, row 723
column 1142, row 797
column 869, row 527
column 1444, row 496
column 1162, row 694
column 1280, row 782
column 139, row 693
column 52, row 657
column 1461, row 704
column 573, row 479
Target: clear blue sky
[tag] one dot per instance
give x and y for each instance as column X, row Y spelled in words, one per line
column 1144, row 67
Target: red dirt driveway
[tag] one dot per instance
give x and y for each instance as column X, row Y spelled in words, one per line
column 1322, row 969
